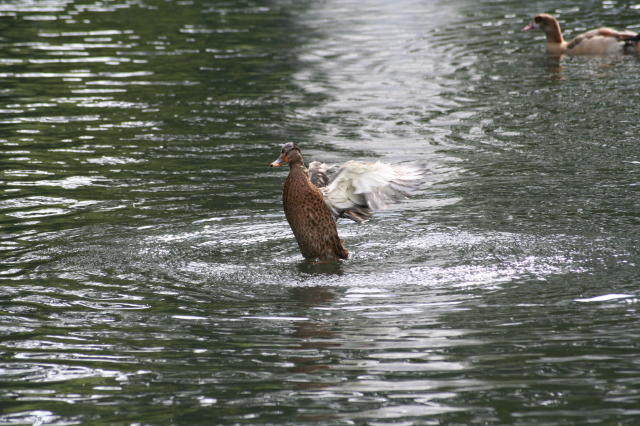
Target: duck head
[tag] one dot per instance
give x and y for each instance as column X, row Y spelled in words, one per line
column 290, row 153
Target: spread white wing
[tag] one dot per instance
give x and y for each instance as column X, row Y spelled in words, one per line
column 358, row 188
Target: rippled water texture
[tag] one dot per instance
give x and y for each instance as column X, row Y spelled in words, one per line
column 149, row 275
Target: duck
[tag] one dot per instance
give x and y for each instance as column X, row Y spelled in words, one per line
column 314, row 198
column 601, row 41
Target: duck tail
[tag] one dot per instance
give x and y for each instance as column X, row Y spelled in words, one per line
column 632, row 44
column 342, row 252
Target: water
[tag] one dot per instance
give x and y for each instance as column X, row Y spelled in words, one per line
column 149, row 275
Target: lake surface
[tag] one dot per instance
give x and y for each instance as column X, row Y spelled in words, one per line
column 149, row 275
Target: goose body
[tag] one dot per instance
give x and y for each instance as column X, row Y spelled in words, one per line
column 601, row 41
column 313, row 199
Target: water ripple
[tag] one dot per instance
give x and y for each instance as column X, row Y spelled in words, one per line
column 147, row 264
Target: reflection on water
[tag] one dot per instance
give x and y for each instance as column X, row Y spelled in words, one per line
column 147, row 264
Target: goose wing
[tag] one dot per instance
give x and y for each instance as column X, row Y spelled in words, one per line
column 601, row 40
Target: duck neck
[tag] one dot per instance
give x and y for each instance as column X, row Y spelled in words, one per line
column 296, row 166
column 295, row 160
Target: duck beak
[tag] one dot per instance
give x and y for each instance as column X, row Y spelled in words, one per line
column 280, row 161
column 530, row 26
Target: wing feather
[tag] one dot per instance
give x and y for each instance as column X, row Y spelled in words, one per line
column 358, row 188
column 318, row 173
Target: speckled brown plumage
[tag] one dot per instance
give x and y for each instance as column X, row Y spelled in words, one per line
column 310, row 219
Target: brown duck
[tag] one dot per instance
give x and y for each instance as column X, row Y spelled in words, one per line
column 313, row 201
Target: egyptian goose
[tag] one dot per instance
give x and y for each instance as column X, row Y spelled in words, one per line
column 313, row 200
column 601, row 41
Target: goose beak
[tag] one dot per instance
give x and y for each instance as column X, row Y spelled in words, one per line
column 530, row 26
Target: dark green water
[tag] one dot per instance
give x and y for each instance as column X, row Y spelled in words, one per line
column 149, row 275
